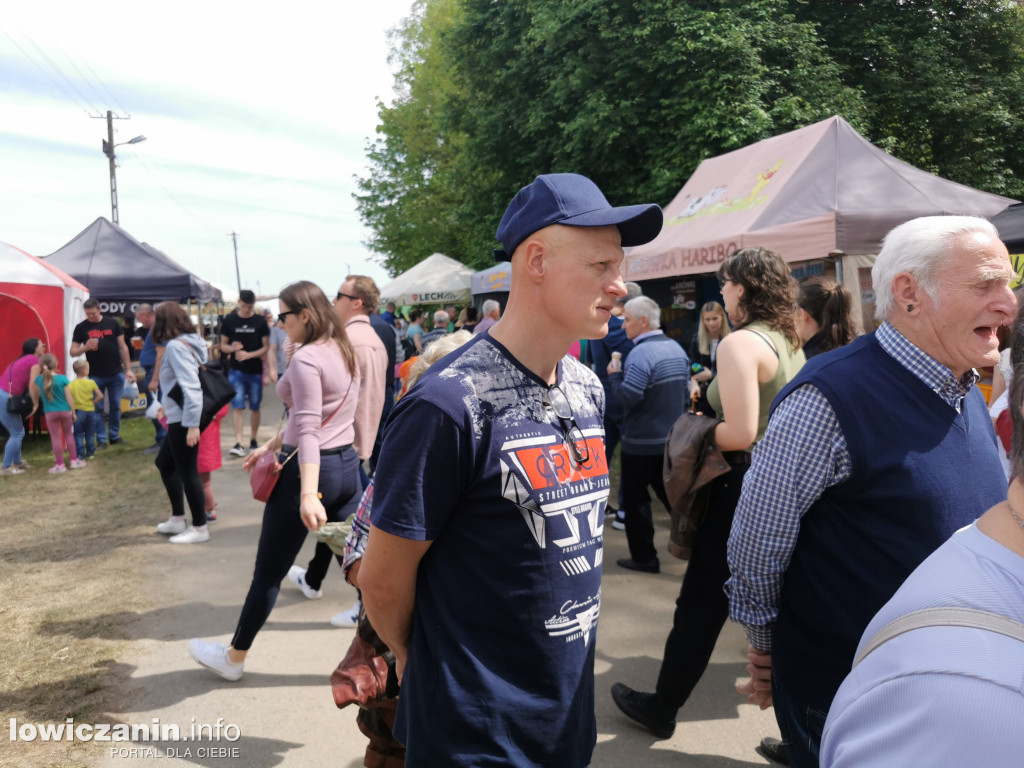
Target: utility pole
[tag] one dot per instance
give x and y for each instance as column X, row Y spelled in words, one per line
column 238, row 276
column 108, row 150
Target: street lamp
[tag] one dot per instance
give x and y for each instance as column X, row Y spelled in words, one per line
column 108, row 150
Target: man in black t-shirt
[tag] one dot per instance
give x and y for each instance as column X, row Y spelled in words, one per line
column 101, row 340
column 245, row 336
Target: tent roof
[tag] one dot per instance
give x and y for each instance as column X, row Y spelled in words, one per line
column 493, row 279
column 804, row 194
column 114, row 265
column 438, row 279
column 1010, row 224
column 22, row 267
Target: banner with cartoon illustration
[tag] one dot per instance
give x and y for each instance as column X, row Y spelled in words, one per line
column 805, row 194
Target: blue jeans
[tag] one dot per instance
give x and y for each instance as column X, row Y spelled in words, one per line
column 161, row 431
column 799, row 724
column 85, row 432
column 111, row 387
column 16, row 427
column 248, row 386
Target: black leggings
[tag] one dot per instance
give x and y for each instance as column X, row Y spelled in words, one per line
column 283, row 534
column 179, row 471
column 702, row 606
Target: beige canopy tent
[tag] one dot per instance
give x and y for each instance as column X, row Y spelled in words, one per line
column 804, row 194
column 438, row 279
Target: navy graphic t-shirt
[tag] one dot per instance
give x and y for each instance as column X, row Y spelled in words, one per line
column 501, row 660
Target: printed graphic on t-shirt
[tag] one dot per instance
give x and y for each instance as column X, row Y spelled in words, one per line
column 560, row 500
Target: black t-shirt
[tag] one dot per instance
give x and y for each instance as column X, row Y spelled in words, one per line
column 106, row 360
column 251, row 331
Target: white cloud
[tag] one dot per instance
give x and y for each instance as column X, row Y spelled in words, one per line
column 256, row 121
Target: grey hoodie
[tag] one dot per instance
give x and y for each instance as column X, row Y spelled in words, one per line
column 181, row 367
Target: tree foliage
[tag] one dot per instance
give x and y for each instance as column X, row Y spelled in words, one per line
column 635, row 94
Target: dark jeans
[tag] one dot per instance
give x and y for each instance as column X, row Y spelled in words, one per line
column 177, row 462
column 799, row 724
column 702, row 606
column 283, row 534
column 85, row 432
column 111, row 387
column 639, row 473
column 161, row 432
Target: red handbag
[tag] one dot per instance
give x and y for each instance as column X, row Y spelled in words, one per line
column 267, row 470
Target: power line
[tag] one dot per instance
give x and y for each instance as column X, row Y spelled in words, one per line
column 59, row 71
column 28, row 56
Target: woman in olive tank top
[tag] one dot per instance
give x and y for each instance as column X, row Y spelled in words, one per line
column 754, row 364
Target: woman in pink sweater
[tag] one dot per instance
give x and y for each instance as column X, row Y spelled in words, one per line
column 319, row 482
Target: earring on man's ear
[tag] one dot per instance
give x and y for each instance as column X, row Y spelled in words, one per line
column 910, row 307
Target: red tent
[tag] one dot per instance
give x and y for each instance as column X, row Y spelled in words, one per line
column 37, row 300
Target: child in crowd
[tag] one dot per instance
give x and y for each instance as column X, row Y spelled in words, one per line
column 54, row 390
column 85, row 395
column 209, row 460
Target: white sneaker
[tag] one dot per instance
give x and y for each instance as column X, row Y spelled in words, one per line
column 78, row 464
column 238, row 450
column 191, row 536
column 349, row 618
column 14, row 469
column 297, row 576
column 214, row 656
column 172, row 525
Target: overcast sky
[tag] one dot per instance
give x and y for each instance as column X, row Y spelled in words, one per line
column 256, row 120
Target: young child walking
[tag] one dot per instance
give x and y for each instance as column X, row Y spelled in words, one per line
column 85, row 395
column 210, row 460
column 54, row 391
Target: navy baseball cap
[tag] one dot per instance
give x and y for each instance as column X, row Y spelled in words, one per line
column 575, row 201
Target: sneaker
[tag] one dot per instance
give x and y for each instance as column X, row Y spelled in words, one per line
column 644, row 709
column 56, row 469
column 349, row 618
column 214, row 656
column 618, row 525
column 211, row 515
column 90, row 455
column 253, row 445
column 23, row 465
column 14, row 469
column 238, row 450
column 116, row 440
column 297, row 576
column 78, row 464
column 153, row 449
column 191, row 535
column 172, row 525
column 101, row 446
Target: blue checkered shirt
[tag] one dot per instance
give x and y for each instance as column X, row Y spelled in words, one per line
column 355, row 542
column 803, row 452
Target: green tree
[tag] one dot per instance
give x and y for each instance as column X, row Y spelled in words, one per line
column 943, row 81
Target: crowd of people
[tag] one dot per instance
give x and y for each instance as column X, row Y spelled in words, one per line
column 833, row 505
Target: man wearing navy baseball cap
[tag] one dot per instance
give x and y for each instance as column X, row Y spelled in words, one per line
column 483, row 567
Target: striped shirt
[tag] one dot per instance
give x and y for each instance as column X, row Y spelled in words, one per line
column 802, row 454
column 359, row 533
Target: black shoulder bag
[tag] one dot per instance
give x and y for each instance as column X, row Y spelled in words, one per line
column 217, row 391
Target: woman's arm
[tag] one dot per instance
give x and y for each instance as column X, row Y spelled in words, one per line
column 741, row 357
column 33, row 390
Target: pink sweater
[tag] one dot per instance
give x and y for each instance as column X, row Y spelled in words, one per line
column 313, row 386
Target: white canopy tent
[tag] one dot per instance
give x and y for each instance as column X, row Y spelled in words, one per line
column 438, row 279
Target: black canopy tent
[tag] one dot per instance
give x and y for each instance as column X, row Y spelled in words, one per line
column 121, row 272
column 1010, row 224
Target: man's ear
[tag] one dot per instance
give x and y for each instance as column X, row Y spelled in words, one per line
column 535, row 257
column 906, row 292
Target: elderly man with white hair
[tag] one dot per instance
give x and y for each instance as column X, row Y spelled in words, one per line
column 491, row 311
column 653, row 387
column 440, row 329
column 874, row 455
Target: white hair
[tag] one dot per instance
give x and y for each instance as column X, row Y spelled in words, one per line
column 645, row 306
column 441, row 318
column 489, row 306
column 920, row 247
